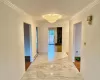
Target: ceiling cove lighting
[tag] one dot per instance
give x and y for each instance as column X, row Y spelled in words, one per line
column 52, row 18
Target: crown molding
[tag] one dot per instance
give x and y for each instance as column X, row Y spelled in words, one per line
column 20, row 11
column 13, row 6
column 88, row 7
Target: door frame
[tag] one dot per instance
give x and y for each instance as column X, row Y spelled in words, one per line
column 30, row 42
column 74, row 26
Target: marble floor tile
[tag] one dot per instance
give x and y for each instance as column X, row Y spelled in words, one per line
column 57, row 68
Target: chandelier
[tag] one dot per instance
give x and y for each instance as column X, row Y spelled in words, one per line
column 52, row 18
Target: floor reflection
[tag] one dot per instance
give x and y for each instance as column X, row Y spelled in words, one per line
column 59, row 69
column 51, row 52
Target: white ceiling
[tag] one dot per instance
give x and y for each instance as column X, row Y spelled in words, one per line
column 37, row 8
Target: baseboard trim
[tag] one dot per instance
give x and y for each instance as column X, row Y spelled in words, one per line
column 35, row 56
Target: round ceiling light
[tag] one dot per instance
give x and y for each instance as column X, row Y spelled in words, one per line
column 52, row 18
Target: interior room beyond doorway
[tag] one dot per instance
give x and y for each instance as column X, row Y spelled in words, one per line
column 77, row 44
column 55, row 38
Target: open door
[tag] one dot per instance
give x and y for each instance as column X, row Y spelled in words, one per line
column 77, row 44
column 27, row 45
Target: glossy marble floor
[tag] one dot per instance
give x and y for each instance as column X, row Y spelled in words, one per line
column 52, row 66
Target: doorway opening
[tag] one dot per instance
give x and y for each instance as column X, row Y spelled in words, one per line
column 77, row 44
column 51, row 36
column 37, row 39
column 27, row 45
column 55, row 39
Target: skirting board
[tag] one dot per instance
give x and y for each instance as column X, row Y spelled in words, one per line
column 35, row 56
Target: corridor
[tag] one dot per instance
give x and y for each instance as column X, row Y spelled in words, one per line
column 50, row 39
column 52, row 66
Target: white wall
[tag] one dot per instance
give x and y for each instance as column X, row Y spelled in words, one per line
column 12, row 62
column 43, row 35
column 42, row 39
column 77, row 38
column 90, row 53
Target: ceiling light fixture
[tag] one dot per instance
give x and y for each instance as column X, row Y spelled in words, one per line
column 52, row 18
